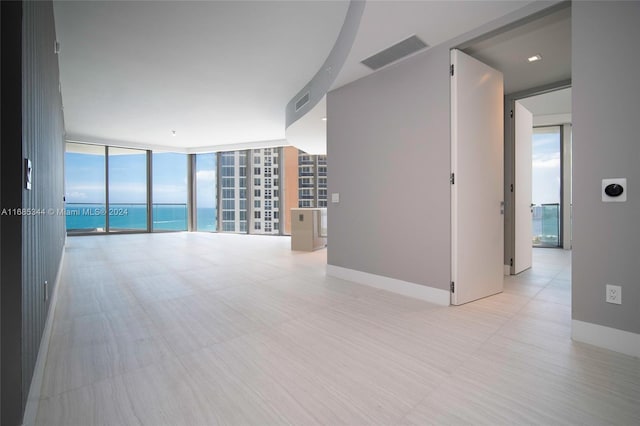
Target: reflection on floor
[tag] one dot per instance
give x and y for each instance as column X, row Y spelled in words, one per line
column 201, row 329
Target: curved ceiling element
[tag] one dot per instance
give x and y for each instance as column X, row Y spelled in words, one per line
column 319, row 85
column 309, row 133
column 385, row 23
column 216, row 72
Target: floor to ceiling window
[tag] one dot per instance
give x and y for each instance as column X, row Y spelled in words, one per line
column 114, row 189
column 127, row 189
column 169, row 207
column 206, row 187
column 85, row 189
column 546, row 190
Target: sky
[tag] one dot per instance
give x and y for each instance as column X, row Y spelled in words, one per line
column 546, row 167
column 85, row 178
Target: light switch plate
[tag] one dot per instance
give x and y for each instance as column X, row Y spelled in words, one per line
column 620, row 198
column 28, row 170
column 335, row 197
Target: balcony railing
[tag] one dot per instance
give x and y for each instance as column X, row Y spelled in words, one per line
column 546, row 225
column 92, row 217
column 85, row 217
column 169, row 216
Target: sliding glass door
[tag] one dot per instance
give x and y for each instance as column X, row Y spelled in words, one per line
column 547, row 189
column 85, row 192
column 127, row 189
column 169, row 207
column 206, row 197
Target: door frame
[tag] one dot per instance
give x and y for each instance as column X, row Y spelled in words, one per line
column 561, row 207
column 509, row 165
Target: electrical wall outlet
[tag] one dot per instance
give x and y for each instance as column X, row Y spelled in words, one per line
column 614, row 294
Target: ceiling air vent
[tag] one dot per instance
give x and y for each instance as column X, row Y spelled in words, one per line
column 397, row 51
column 302, row 101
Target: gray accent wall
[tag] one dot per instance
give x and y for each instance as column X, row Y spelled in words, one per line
column 388, row 149
column 43, row 130
column 606, row 144
column 32, row 244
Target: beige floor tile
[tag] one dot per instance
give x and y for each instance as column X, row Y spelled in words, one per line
column 204, row 329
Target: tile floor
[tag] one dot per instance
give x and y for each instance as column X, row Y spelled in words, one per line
column 204, row 329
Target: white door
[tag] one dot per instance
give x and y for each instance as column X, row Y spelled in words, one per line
column 477, row 135
column 523, row 255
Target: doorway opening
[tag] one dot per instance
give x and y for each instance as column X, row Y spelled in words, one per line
column 546, row 186
column 550, row 170
column 543, row 88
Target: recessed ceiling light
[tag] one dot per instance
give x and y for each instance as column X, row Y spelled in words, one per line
column 324, row 118
column 534, row 58
column 173, row 132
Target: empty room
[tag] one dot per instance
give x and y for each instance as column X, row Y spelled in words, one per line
column 319, row 212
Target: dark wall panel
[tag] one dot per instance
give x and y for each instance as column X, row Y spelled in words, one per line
column 32, row 241
column 11, row 195
column 43, row 128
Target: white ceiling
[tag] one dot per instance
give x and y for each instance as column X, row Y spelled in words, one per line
column 549, row 36
column 385, row 23
column 215, row 72
column 552, row 103
column 220, row 73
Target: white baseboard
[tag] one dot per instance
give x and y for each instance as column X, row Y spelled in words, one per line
column 405, row 288
column 507, row 270
column 606, row 337
column 33, row 399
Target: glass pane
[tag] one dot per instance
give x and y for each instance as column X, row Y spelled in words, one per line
column 234, row 191
column 169, row 191
column 85, row 194
column 546, row 175
column 206, row 192
column 127, row 189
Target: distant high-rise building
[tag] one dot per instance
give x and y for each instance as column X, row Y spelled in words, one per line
column 257, row 188
column 232, row 191
column 312, row 180
column 265, row 196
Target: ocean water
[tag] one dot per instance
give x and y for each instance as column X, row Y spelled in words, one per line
column 546, row 225
column 133, row 217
